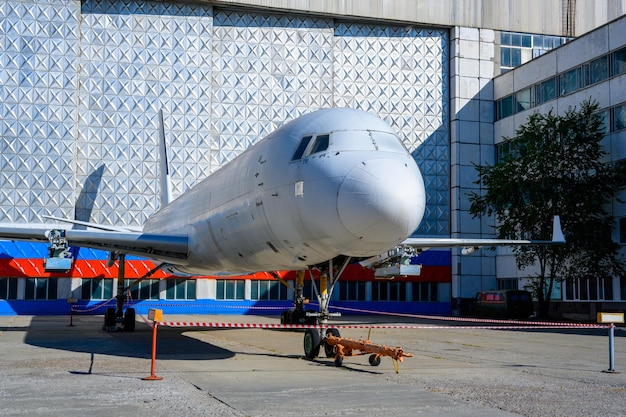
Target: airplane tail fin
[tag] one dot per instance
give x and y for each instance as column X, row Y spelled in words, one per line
column 164, row 172
column 557, row 233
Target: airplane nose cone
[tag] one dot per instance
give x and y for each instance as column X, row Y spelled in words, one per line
column 382, row 200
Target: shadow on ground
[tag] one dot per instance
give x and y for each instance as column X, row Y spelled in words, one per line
column 86, row 335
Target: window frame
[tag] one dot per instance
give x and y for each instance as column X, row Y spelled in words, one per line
column 228, row 287
column 8, row 288
column 174, row 286
column 104, row 286
column 38, row 288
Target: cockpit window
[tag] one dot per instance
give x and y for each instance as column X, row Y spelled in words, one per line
column 301, row 148
column 321, row 144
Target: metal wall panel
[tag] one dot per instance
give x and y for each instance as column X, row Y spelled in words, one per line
column 401, row 74
column 81, row 90
column 137, row 58
column 267, row 69
column 38, row 84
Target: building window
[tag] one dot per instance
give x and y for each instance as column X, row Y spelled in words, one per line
column 622, row 288
column 41, row 289
column 619, row 117
column 622, row 230
column 352, row 290
column 180, row 289
column 589, row 289
column 519, row 48
column 619, row 61
column 504, row 107
column 570, row 81
column 388, row 291
column 546, row 90
column 230, row 289
column 605, row 118
column 96, row 289
column 621, row 165
column 524, row 99
column 267, row 290
column 8, row 288
column 505, row 149
column 507, row 284
column 148, row 289
column 598, row 70
column 425, row 291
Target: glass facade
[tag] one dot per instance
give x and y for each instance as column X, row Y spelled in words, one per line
column 565, row 83
column 518, row 48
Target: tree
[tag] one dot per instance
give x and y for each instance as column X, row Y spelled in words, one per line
column 555, row 167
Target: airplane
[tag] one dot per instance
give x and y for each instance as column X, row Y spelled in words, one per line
column 329, row 188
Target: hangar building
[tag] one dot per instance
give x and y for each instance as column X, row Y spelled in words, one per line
column 82, row 82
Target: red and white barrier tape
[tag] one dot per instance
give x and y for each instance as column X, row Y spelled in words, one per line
column 367, row 326
column 468, row 319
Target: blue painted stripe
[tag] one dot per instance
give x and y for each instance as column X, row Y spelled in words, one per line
column 33, row 250
column 27, row 250
column 202, row 307
column 433, row 258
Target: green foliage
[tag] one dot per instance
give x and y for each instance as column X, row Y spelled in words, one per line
column 556, row 168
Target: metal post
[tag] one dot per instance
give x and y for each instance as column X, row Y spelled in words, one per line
column 152, row 376
column 611, row 348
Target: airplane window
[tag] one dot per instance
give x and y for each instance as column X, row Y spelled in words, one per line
column 301, row 148
column 387, row 142
column 321, row 143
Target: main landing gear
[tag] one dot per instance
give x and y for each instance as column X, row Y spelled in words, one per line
column 117, row 316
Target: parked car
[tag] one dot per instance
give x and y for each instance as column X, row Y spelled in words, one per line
column 514, row 304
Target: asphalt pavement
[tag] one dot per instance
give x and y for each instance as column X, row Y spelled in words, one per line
column 51, row 368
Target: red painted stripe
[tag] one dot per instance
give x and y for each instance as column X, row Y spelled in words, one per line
column 33, row 267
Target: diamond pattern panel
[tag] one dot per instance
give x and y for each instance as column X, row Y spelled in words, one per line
column 401, row 74
column 267, row 69
column 38, row 84
column 138, row 57
column 79, row 102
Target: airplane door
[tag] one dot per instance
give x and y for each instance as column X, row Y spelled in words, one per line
column 264, row 234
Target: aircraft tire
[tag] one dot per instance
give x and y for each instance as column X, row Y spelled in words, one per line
column 312, row 343
column 129, row 320
column 109, row 318
column 328, row 349
column 374, row 360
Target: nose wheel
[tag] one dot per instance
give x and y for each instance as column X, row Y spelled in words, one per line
column 312, row 343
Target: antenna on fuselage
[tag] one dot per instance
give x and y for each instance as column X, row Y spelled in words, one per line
column 164, row 170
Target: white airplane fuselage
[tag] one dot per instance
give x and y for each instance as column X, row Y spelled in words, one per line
column 354, row 191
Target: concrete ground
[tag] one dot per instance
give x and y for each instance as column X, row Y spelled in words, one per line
column 50, row 368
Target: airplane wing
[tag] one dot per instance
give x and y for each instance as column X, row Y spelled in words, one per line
column 156, row 246
column 396, row 261
column 470, row 245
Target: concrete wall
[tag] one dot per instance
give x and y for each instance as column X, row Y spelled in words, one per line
column 471, row 142
column 529, row 16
